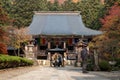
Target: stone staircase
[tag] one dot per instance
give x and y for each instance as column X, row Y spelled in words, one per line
column 43, row 62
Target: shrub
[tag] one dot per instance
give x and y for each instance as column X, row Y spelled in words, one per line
column 26, row 62
column 13, row 61
column 104, row 66
column 117, row 62
column 90, row 67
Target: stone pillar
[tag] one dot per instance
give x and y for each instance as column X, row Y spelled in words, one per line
column 35, row 51
column 78, row 52
column 79, row 56
column 30, row 48
column 95, row 54
column 96, row 67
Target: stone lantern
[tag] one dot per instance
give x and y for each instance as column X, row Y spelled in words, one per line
column 30, row 48
column 30, row 53
column 95, row 54
column 78, row 51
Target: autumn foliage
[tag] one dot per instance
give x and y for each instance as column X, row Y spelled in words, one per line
column 111, row 23
column 18, row 36
column 112, row 20
column 3, row 48
column 109, row 42
column 3, row 36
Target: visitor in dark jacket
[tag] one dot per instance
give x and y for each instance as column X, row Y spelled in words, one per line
column 84, row 56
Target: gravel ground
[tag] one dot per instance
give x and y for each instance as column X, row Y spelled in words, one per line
column 113, row 75
column 6, row 74
column 12, row 72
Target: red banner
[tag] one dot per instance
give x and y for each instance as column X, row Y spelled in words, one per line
column 42, row 41
column 70, row 40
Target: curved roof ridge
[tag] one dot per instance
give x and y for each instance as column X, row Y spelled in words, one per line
column 57, row 12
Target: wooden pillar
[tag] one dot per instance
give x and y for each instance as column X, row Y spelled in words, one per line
column 49, row 45
column 64, row 55
column 49, row 54
column 64, row 46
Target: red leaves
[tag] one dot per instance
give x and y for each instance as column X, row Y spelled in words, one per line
column 3, row 39
column 111, row 24
column 115, row 10
column 109, row 21
column 3, row 36
column 3, row 48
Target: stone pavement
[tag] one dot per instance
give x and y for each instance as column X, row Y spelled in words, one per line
column 6, row 74
column 59, row 73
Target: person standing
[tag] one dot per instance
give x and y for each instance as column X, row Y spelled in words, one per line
column 84, row 56
column 59, row 61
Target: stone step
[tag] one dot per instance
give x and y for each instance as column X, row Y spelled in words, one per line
column 43, row 62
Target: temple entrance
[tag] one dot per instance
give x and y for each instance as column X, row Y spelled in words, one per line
column 57, row 57
column 57, row 60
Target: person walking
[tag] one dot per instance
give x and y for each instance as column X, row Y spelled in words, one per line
column 84, row 56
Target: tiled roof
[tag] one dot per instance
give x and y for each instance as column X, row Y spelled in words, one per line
column 60, row 24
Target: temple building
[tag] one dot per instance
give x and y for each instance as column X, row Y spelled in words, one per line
column 58, row 33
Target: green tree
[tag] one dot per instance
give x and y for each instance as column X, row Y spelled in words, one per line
column 54, row 6
column 22, row 11
column 91, row 11
column 6, row 5
column 110, row 3
column 4, row 19
column 69, row 5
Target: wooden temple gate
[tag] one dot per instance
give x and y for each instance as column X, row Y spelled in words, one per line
column 47, row 47
column 58, row 31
